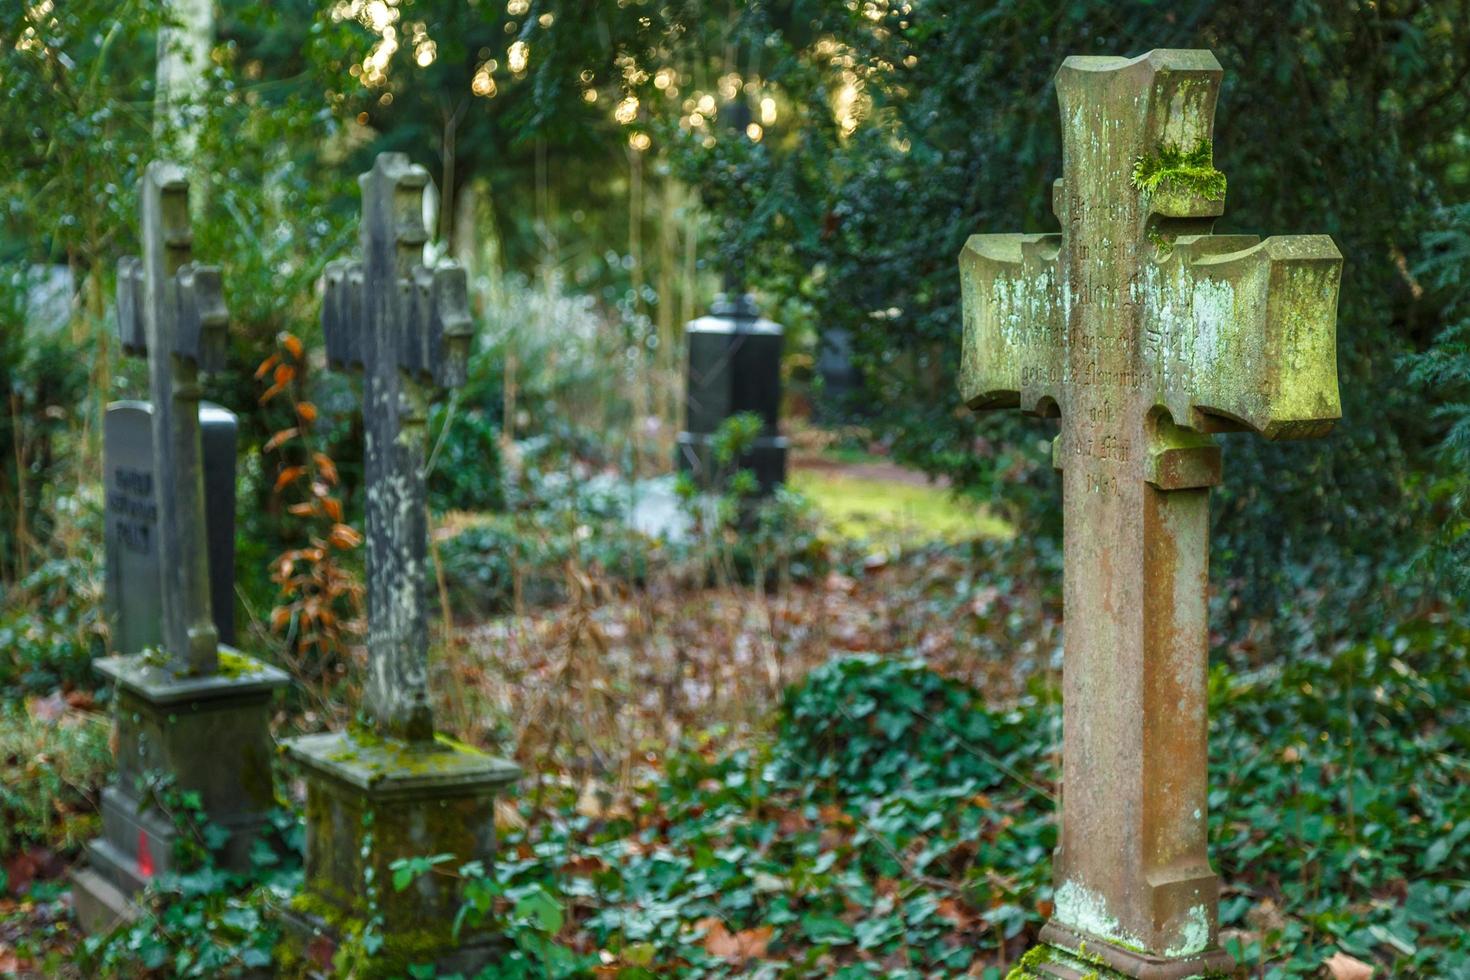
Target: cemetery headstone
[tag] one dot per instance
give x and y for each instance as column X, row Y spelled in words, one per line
column 734, row 366
column 1145, row 334
column 842, row 380
column 192, row 715
column 395, row 789
column 130, row 540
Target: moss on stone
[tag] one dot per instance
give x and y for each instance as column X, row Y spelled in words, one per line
column 1190, row 170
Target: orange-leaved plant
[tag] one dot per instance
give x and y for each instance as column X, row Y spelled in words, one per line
column 320, row 598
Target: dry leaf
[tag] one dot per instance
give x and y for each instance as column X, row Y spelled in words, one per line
column 281, row 437
column 1344, row 967
column 737, row 947
column 288, row 476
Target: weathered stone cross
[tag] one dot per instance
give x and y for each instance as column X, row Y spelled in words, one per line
column 172, row 311
column 1144, row 333
column 408, row 329
column 379, row 797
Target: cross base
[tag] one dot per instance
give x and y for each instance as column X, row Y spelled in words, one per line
column 208, row 735
column 1067, row 954
column 370, row 801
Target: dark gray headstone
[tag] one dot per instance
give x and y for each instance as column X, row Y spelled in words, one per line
column 842, row 381
column 134, row 573
column 734, row 366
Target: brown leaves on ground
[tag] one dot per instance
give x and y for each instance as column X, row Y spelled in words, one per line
column 602, row 682
column 736, row 948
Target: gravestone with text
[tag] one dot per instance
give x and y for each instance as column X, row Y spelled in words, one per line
column 395, row 789
column 192, row 715
column 1144, row 334
column 130, row 537
column 734, row 367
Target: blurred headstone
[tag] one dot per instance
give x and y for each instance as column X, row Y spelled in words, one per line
column 192, row 716
column 734, row 367
column 130, row 541
column 841, row 380
column 399, row 791
column 1145, row 334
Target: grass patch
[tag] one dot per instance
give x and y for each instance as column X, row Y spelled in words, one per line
column 865, row 508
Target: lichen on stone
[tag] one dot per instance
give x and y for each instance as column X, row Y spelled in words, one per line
column 1190, row 170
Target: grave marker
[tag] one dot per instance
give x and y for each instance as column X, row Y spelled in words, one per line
column 398, row 790
column 192, row 716
column 1145, row 334
column 130, row 540
column 734, row 367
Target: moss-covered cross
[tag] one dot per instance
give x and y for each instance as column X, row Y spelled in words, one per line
column 407, row 327
column 172, row 311
column 1145, row 334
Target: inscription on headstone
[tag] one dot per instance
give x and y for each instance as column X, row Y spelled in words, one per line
column 1145, row 334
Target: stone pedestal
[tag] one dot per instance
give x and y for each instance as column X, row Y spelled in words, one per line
column 1070, row 954
column 370, row 801
column 208, row 735
column 734, row 367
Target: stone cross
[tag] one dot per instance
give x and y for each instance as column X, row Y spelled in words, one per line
column 172, row 311
column 408, row 329
column 1144, row 333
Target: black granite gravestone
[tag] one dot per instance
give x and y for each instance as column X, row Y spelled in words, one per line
column 734, row 366
column 134, row 604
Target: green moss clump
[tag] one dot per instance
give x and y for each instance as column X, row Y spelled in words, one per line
column 1188, row 170
column 232, row 665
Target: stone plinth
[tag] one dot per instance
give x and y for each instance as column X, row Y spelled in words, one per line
column 208, row 735
column 372, row 800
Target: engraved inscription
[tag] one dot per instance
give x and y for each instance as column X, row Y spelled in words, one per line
column 133, row 510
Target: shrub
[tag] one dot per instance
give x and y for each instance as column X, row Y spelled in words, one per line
column 51, row 764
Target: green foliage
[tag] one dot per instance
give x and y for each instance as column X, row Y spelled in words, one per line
column 205, row 921
column 52, row 631
column 1310, row 808
column 866, row 726
column 52, row 763
column 1443, row 373
column 465, row 465
column 1191, row 170
column 43, row 383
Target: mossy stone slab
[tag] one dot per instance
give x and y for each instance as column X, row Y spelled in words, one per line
column 371, row 801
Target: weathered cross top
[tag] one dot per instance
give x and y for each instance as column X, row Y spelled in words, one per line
column 172, row 311
column 408, row 329
column 1144, row 333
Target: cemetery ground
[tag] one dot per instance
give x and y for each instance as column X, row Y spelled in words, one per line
column 790, row 753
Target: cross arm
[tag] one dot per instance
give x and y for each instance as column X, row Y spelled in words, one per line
column 438, row 345
column 342, row 313
column 131, row 329
column 1263, row 349
column 1013, row 353
column 203, row 319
